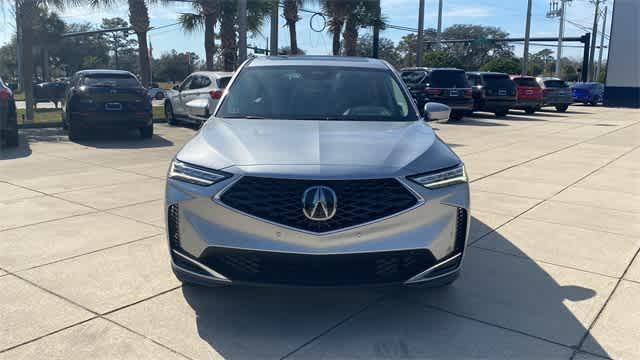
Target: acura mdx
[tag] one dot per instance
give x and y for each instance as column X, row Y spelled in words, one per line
column 317, row 171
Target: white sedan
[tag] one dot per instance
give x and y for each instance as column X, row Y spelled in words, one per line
column 199, row 85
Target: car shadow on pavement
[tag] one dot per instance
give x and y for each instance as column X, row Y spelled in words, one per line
column 122, row 139
column 502, row 306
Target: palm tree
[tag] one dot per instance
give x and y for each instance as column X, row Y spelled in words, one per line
column 291, row 18
column 257, row 11
column 359, row 13
column 139, row 20
column 336, row 10
column 207, row 17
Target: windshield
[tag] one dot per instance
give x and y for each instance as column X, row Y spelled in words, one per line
column 499, row 81
column 316, row 93
column 526, row 82
column 555, row 84
column 449, row 79
column 110, row 80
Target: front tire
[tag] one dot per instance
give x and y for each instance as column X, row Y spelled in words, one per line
column 169, row 115
column 146, row 132
column 11, row 138
column 74, row 132
column 456, row 116
column 562, row 108
column 530, row 110
column 501, row 112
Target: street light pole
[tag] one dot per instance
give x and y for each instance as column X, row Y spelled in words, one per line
column 439, row 34
column 604, row 28
column 527, row 31
column 560, row 36
column 594, row 32
column 420, row 43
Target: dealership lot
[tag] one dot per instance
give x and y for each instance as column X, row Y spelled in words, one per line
column 552, row 270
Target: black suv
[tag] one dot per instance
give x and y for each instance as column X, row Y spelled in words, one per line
column 493, row 92
column 448, row 86
column 8, row 117
column 106, row 99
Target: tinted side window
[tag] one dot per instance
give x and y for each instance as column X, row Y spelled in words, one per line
column 223, row 82
column 499, row 81
column 449, row 79
column 413, row 76
column 186, row 83
column 555, row 84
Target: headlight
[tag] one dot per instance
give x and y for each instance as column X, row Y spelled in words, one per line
column 194, row 174
column 442, row 178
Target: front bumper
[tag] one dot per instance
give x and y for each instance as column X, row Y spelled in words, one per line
column 98, row 120
column 211, row 243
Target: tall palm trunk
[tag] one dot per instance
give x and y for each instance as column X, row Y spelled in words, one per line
column 336, row 31
column 228, row 35
column 139, row 20
column 291, row 17
column 350, row 35
column 28, row 12
column 209, row 8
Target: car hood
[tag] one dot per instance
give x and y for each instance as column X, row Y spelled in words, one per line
column 318, row 148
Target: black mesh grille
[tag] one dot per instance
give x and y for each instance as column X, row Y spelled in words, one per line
column 461, row 229
column 173, row 226
column 280, row 201
column 298, row 269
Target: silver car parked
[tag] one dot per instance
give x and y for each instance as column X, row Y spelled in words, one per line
column 208, row 85
column 317, row 171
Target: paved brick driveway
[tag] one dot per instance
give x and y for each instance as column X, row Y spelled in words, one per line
column 550, row 273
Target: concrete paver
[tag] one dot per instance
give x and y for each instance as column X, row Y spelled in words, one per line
column 399, row 331
column 551, row 302
column 80, row 180
column 564, row 245
column 109, row 279
column 500, row 203
column 241, row 323
column 617, row 331
column 28, row 312
column 151, row 212
column 39, row 244
column 33, row 210
column 634, row 271
column 605, row 199
column 120, row 195
column 97, row 340
column 12, row 192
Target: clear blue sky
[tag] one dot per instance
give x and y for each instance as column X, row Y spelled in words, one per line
column 506, row 14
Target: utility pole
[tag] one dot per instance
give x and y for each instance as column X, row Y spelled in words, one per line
column 439, row 34
column 604, row 28
column 555, row 11
column 273, row 50
column 527, row 31
column 594, row 32
column 420, row 43
column 242, row 31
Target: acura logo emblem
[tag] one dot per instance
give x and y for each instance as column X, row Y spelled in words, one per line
column 319, row 203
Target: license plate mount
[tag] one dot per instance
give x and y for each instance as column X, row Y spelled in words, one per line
column 453, row 92
column 502, row 92
column 113, row 106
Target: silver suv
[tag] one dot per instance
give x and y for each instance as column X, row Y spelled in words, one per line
column 317, row 171
column 199, row 85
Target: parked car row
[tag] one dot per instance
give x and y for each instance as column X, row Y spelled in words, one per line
column 491, row 91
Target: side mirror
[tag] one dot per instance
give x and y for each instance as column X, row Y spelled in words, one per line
column 434, row 111
column 198, row 109
column 176, row 87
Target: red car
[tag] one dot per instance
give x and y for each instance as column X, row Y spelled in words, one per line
column 529, row 93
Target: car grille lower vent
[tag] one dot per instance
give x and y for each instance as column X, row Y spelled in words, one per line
column 299, row 269
column 280, row 201
column 461, row 230
column 173, row 226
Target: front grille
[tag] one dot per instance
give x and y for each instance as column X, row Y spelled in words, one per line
column 280, row 201
column 318, row 270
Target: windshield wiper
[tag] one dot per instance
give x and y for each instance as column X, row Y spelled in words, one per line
column 243, row 117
